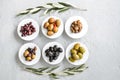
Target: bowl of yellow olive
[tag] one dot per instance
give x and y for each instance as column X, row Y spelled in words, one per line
column 52, row 27
column 77, row 53
column 29, row 54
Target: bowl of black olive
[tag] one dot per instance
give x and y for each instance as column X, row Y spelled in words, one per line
column 53, row 53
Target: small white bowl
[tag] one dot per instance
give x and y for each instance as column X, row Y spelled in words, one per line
column 60, row 57
column 22, row 50
column 77, row 62
column 55, row 35
column 81, row 33
column 29, row 37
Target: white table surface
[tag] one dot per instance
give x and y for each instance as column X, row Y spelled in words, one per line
column 102, row 39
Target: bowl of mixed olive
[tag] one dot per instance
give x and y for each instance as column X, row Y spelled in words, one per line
column 76, row 27
column 53, row 53
column 52, row 27
column 29, row 54
column 77, row 53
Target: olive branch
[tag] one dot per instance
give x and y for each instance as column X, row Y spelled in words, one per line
column 55, row 75
column 49, row 7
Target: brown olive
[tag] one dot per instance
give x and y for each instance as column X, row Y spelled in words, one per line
column 77, row 46
column 75, row 57
column 28, row 58
column 50, row 33
column 33, row 56
column 71, row 59
column 80, row 55
column 46, row 24
column 58, row 22
column 51, row 20
column 26, row 53
column 55, row 29
column 50, row 27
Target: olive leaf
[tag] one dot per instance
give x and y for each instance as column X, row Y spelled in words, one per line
column 55, row 75
column 59, row 6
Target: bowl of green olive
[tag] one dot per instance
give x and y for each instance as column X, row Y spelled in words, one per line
column 52, row 27
column 77, row 53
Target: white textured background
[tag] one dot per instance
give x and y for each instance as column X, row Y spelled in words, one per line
column 102, row 39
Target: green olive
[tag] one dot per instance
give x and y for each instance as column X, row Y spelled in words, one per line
column 80, row 55
column 71, row 59
column 75, row 57
column 77, row 46
column 73, row 51
column 82, row 50
column 50, row 27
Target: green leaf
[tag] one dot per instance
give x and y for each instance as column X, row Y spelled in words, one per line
column 51, row 4
column 52, row 69
column 65, row 4
column 42, row 69
column 23, row 13
column 53, row 75
column 36, row 11
column 29, row 8
column 40, row 7
column 63, row 10
column 69, row 73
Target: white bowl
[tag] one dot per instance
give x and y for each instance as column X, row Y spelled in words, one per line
column 77, row 62
column 60, row 57
column 55, row 35
column 28, row 37
column 22, row 50
column 81, row 33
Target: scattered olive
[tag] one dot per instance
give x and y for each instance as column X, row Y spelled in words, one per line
column 75, row 57
column 73, row 51
column 76, row 46
column 82, row 50
column 80, row 55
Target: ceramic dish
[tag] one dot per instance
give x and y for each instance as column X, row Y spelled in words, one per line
column 83, row 30
column 77, row 62
column 22, row 50
column 60, row 57
column 28, row 37
column 55, row 35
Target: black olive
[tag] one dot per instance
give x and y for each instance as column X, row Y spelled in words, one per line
column 51, row 58
column 55, row 57
column 51, row 49
column 47, row 50
column 50, row 54
column 55, row 48
column 56, row 54
column 59, row 50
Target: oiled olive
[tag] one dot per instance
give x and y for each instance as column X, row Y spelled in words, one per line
column 82, row 50
column 28, row 58
column 50, row 33
column 46, row 24
column 51, row 20
column 55, row 29
column 73, row 51
column 50, row 27
column 71, row 59
column 58, row 22
column 80, row 55
column 77, row 46
column 26, row 53
column 75, row 57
